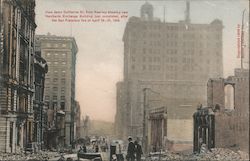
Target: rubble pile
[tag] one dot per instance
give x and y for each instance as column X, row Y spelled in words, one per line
column 218, row 154
column 164, row 156
column 215, row 154
column 42, row 156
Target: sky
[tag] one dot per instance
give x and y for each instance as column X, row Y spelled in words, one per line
column 99, row 64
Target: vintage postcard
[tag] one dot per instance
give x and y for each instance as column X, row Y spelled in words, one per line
column 117, row 80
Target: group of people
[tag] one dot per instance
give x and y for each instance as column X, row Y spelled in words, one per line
column 134, row 151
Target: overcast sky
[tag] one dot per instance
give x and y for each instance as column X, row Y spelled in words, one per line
column 100, row 56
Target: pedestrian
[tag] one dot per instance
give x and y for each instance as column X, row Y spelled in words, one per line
column 130, row 150
column 84, row 148
column 138, row 151
column 96, row 148
column 114, row 158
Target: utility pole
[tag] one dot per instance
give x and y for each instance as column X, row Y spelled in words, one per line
column 242, row 40
column 164, row 14
column 1, row 39
column 144, row 143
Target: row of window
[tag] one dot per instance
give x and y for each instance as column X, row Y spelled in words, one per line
column 56, row 45
column 172, row 60
column 56, row 71
column 184, row 68
column 184, row 51
column 55, row 105
column 56, row 74
column 47, row 87
column 56, row 63
column 155, row 67
column 188, row 44
column 177, row 27
column 54, row 98
column 150, row 51
column 149, row 59
column 201, row 36
column 152, row 67
column 57, row 54
column 185, row 76
column 241, row 79
column 55, row 80
column 176, row 35
column 55, row 91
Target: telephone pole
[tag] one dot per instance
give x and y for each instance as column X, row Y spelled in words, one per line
column 144, row 143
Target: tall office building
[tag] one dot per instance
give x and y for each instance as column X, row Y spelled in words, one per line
column 173, row 61
column 60, row 54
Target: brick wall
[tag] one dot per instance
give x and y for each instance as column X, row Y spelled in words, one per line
column 215, row 92
column 232, row 131
column 231, row 126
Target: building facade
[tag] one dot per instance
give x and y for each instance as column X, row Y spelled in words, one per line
column 85, row 127
column 174, row 60
column 60, row 54
column 40, row 108
column 78, row 121
column 17, row 74
column 226, row 119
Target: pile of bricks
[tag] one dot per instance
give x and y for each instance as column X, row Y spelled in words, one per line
column 216, row 154
column 164, row 156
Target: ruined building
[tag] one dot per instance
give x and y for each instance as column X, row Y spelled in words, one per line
column 60, row 54
column 17, row 21
column 225, row 122
column 157, row 129
column 174, row 59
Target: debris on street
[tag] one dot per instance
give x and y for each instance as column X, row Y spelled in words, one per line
column 215, row 154
column 42, row 156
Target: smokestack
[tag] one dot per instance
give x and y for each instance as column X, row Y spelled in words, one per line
column 187, row 11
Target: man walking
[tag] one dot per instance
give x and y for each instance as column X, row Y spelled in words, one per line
column 138, row 151
column 131, row 150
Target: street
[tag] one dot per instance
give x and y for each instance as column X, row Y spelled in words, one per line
column 205, row 155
